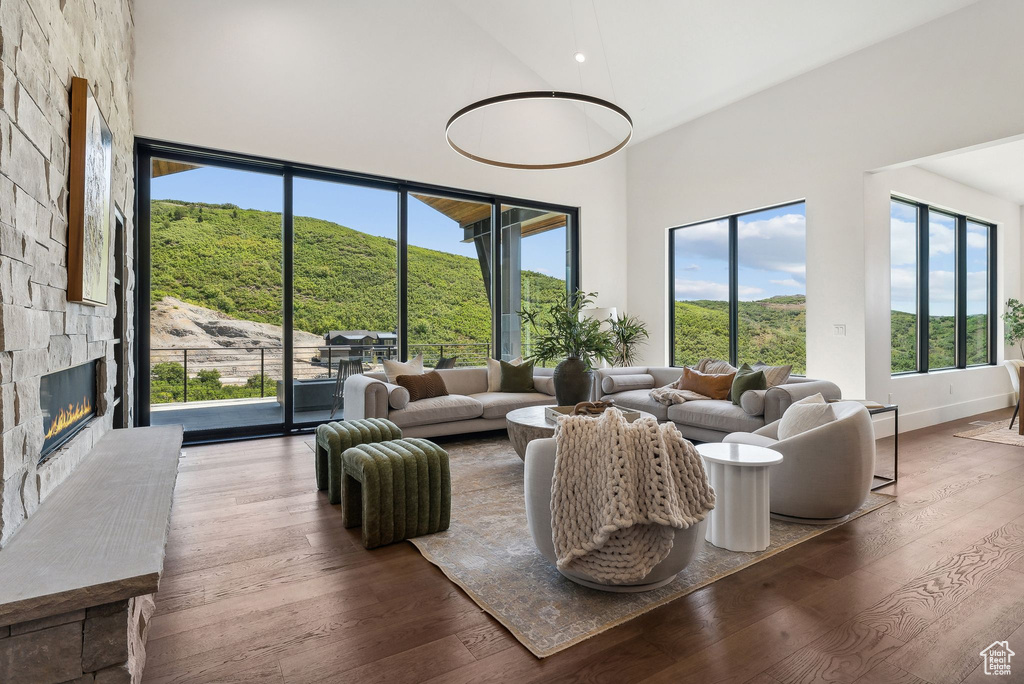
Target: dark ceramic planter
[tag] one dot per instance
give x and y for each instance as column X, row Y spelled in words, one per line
column 572, row 382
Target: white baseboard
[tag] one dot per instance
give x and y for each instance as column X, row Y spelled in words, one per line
column 941, row 414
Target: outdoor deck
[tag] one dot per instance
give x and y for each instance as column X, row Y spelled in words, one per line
column 227, row 413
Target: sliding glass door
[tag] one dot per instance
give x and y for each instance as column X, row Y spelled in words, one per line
column 344, row 291
column 215, row 307
column 536, row 267
column 263, row 286
column 449, row 282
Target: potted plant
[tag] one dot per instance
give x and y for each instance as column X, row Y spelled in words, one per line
column 629, row 332
column 561, row 334
column 1013, row 323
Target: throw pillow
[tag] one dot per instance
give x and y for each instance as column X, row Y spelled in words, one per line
column 494, row 373
column 774, row 375
column 714, row 367
column 517, row 378
column 393, row 369
column 423, row 386
column 712, row 386
column 747, row 379
column 445, row 364
column 804, row 415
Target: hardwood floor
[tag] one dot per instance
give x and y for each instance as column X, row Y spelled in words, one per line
column 262, row 584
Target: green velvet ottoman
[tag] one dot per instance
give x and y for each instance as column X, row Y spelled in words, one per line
column 397, row 490
column 334, row 438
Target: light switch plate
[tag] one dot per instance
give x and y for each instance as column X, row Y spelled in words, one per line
column 839, row 330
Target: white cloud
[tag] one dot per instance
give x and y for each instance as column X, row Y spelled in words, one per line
column 776, row 245
column 787, row 282
column 691, row 267
column 707, row 289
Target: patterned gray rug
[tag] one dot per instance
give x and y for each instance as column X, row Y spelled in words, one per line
column 488, row 552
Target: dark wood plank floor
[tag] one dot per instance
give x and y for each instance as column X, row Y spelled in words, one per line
column 262, row 584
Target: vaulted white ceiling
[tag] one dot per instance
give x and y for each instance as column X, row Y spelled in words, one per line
column 669, row 61
column 370, row 85
column 996, row 169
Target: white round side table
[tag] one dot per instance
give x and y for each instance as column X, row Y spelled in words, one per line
column 739, row 475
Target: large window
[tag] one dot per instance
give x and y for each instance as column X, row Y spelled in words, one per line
column 942, row 266
column 264, row 285
column 738, row 288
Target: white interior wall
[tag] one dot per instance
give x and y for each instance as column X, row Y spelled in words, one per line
column 329, row 84
column 935, row 397
column 814, row 137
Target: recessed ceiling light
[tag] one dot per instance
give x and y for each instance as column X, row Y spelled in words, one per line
column 580, row 57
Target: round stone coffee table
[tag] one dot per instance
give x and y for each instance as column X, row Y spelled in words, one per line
column 530, row 423
column 739, row 475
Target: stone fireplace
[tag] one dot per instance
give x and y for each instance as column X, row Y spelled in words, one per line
column 68, row 400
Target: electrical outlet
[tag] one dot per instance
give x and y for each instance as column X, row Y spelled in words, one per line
column 890, row 398
column 950, row 388
column 839, row 330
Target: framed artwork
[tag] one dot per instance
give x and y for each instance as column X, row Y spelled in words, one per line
column 89, row 199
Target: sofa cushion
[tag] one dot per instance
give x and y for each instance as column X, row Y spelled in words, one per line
column 806, row 414
column 437, row 410
column 395, row 368
column 497, row 404
column 721, row 415
column 746, row 379
column 638, row 400
column 425, row 386
column 714, row 385
column 752, row 402
column 467, row 380
column 494, row 373
column 516, row 378
column 774, row 375
column 623, row 383
column 545, row 384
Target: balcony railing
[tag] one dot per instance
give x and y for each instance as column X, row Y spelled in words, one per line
column 189, row 374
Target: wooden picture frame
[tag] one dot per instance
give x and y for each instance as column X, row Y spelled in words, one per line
column 89, row 205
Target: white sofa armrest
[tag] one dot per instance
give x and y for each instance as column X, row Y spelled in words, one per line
column 778, row 399
column 365, row 398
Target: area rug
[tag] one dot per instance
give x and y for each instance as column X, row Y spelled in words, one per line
column 488, row 552
column 999, row 433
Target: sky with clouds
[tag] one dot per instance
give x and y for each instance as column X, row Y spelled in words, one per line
column 772, row 256
column 368, row 210
column 941, row 262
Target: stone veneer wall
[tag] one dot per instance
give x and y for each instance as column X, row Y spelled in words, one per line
column 43, row 43
column 100, row 645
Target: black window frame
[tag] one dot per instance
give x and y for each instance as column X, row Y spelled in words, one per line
column 923, row 210
column 147, row 149
column 734, row 271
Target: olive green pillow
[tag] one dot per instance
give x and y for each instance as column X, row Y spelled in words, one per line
column 517, row 378
column 747, row 379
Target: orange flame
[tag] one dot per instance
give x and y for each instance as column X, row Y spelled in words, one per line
column 68, row 417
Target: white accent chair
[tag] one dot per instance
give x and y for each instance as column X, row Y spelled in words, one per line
column 539, row 469
column 1013, row 367
column 826, row 472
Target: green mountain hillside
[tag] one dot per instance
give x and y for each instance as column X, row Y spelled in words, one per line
column 229, row 259
column 772, row 330
column 941, row 341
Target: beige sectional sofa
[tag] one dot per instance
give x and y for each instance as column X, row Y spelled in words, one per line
column 706, row 420
column 469, row 407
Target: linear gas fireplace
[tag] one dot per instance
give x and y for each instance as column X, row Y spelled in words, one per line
column 68, row 401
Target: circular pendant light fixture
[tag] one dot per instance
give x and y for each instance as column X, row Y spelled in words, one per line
column 543, row 129
column 604, row 107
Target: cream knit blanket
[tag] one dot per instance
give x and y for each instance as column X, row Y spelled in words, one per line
column 619, row 492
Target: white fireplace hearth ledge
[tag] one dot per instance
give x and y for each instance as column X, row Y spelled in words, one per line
column 78, row 576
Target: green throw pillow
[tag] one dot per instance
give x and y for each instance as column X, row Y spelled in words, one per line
column 747, row 379
column 517, row 378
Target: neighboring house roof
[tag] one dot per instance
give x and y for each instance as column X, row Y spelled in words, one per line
column 359, row 336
